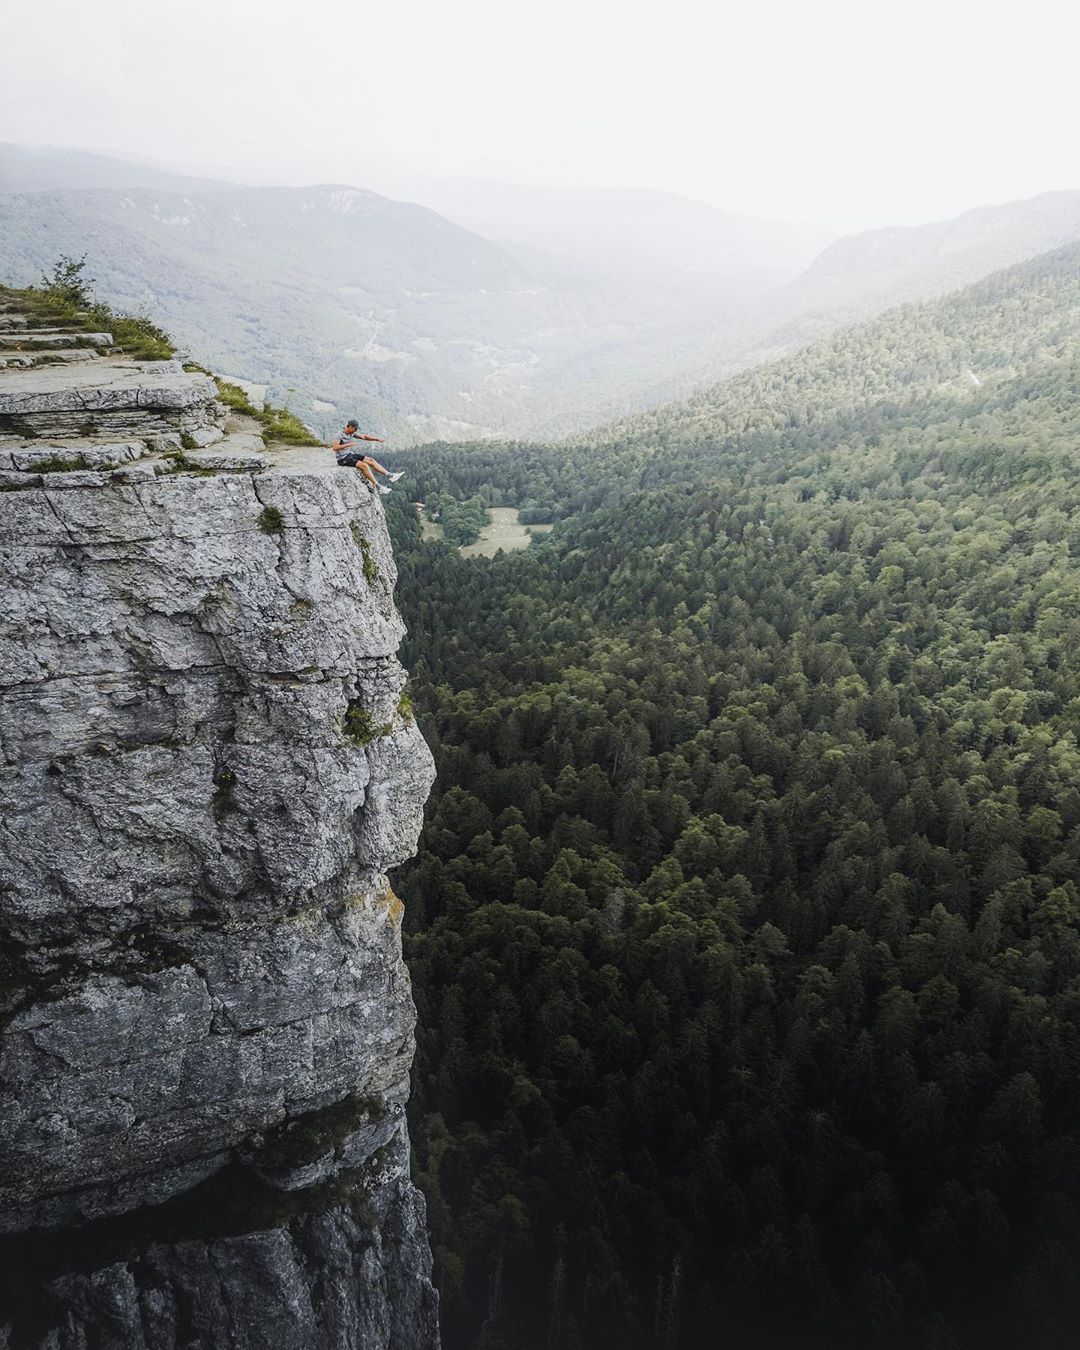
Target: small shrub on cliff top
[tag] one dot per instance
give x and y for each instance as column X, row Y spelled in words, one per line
column 66, row 283
column 65, row 296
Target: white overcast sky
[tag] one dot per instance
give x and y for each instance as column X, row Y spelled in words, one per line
column 860, row 111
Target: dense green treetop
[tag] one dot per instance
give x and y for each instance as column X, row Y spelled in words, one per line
column 746, row 923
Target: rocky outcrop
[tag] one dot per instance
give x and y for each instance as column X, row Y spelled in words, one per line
column 207, row 770
column 146, row 396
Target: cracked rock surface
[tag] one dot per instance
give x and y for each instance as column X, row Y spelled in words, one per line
column 205, row 774
column 119, row 384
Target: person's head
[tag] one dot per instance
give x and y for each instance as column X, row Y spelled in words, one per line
column 352, row 425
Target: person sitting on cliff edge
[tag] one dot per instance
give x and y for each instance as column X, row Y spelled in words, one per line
column 349, row 456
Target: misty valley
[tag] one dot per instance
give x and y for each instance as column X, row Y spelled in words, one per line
column 596, row 866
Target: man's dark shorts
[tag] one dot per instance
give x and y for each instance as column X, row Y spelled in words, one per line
column 349, row 459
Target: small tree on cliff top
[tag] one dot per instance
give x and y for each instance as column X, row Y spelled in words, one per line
column 66, row 283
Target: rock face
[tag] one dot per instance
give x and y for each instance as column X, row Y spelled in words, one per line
column 324, row 1272
column 207, row 769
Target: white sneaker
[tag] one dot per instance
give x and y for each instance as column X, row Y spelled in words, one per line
column 385, row 491
column 393, row 477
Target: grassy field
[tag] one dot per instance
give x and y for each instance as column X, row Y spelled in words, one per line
column 504, row 532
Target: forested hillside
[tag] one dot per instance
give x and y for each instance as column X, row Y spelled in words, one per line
column 745, row 930
column 947, row 361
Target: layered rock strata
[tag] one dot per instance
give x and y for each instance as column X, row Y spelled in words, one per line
column 149, row 396
column 207, row 769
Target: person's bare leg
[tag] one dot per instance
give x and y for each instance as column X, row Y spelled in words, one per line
column 367, row 473
column 374, row 464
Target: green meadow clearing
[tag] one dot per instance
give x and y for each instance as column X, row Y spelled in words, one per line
column 504, row 532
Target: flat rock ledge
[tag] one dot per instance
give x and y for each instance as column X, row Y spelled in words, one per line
column 104, row 386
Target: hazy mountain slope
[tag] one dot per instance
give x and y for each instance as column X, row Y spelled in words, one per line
column 912, row 263
column 863, row 274
column 334, row 293
column 49, row 168
column 384, row 308
column 986, row 333
column 854, row 277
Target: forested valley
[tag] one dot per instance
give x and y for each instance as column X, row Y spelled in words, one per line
column 745, row 928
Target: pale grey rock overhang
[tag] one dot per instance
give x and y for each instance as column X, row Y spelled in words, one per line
column 343, row 1265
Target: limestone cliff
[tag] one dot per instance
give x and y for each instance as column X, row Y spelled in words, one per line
column 208, row 768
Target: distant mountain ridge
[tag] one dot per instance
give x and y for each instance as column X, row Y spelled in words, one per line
column 382, row 309
column 25, row 168
column 356, row 304
column 921, row 260
column 962, row 344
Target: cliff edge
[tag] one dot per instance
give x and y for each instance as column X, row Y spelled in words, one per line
column 208, row 768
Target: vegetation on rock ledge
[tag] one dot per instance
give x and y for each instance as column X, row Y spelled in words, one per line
column 277, row 424
column 360, row 727
column 65, row 296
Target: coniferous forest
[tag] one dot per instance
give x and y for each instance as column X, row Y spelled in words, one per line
column 745, row 929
